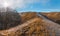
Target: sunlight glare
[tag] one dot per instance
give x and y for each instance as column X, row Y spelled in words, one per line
column 6, row 4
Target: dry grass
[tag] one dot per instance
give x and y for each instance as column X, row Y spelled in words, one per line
column 55, row 16
column 34, row 28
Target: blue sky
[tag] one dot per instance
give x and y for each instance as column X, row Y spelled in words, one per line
column 42, row 6
column 32, row 5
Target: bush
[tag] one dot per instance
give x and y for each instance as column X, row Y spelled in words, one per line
column 9, row 19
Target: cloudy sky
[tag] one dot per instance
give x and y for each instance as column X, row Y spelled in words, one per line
column 32, row 5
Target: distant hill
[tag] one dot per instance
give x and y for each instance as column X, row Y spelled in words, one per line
column 54, row 16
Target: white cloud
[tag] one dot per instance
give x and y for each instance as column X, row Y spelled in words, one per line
column 17, row 3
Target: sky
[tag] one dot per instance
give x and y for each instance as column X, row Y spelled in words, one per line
column 32, row 5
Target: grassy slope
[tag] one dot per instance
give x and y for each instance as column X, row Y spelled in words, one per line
column 54, row 16
column 35, row 27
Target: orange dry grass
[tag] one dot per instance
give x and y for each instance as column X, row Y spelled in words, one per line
column 34, row 27
column 53, row 15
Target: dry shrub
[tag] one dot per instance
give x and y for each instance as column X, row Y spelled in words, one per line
column 9, row 19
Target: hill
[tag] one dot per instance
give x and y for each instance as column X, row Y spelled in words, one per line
column 55, row 16
column 33, row 25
